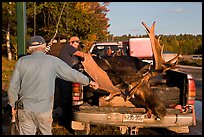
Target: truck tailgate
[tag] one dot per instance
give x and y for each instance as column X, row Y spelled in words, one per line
column 128, row 116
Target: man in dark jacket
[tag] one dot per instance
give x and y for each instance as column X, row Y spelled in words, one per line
column 70, row 54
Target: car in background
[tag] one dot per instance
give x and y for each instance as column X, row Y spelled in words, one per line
column 101, row 48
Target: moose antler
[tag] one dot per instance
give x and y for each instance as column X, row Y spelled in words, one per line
column 157, row 49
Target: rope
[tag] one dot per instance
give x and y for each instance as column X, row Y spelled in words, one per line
column 51, row 41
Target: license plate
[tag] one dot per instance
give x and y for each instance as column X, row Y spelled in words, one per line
column 133, row 118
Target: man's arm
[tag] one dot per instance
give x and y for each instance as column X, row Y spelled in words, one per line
column 14, row 86
column 79, row 54
column 65, row 72
column 13, row 90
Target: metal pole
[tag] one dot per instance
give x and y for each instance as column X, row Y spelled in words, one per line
column 21, row 28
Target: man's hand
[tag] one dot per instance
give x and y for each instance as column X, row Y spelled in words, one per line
column 13, row 111
column 94, row 85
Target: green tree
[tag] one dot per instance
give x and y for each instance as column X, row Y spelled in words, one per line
column 8, row 28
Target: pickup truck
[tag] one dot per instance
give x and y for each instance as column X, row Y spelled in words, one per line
column 178, row 95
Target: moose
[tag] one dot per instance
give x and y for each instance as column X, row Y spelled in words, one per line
column 132, row 78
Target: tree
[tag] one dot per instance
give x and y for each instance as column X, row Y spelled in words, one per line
column 8, row 35
column 87, row 20
column 8, row 19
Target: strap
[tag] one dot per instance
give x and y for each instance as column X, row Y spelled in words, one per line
column 51, row 41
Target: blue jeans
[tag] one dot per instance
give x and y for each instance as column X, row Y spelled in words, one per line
column 29, row 121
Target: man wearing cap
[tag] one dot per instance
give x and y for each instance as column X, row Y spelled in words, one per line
column 31, row 90
column 70, row 54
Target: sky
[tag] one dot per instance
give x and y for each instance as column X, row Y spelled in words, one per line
column 172, row 18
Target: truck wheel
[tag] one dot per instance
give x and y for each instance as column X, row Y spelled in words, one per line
column 170, row 95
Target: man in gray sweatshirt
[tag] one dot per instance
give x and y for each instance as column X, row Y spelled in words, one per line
column 31, row 90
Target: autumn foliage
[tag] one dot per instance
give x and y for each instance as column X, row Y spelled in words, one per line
column 87, row 20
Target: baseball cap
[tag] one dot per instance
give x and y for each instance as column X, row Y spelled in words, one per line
column 36, row 41
column 73, row 39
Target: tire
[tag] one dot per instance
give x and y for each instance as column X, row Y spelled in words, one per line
column 86, row 131
column 170, row 95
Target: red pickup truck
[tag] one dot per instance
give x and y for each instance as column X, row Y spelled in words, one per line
column 179, row 96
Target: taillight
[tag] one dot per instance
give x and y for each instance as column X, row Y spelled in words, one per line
column 77, row 94
column 191, row 91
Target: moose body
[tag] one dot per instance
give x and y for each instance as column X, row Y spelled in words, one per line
column 126, row 72
column 125, row 68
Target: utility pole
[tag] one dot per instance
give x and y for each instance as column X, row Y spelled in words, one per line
column 21, row 28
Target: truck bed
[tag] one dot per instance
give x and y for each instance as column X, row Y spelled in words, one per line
column 127, row 115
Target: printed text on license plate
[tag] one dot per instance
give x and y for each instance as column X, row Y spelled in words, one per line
column 133, row 118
